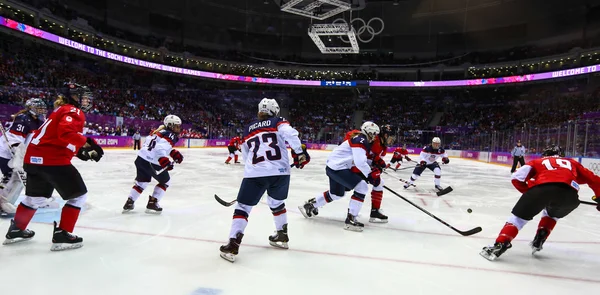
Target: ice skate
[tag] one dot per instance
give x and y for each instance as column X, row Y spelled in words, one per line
column 280, row 238
column 152, row 207
column 538, row 240
column 377, row 216
column 229, row 251
column 15, row 235
column 406, row 185
column 308, row 209
column 492, row 252
column 63, row 240
column 352, row 224
column 129, row 205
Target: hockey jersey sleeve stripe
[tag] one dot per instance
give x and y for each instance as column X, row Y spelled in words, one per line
column 282, row 122
column 259, row 130
column 358, row 145
column 17, row 133
column 167, row 139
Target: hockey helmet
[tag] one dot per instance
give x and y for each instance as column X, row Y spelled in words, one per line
column 387, row 135
column 553, row 150
column 268, row 106
column 37, row 108
column 369, row 129
column 436, row 142
column 78, row 95
column 172, row 123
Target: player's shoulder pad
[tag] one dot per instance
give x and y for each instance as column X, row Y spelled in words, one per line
column 279, row 121
column 22, row 118
column 169, row 135
column 360, row 140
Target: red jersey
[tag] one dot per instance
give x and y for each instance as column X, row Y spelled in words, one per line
column 555, row 170
column 399, row 152
column 377, row 149
column 235, row 142
column 58, row 139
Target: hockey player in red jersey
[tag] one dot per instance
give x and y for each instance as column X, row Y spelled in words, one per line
column 399, row 153
column 48, row 166
column 234, row 148
column 554, row 193
column 384, row 139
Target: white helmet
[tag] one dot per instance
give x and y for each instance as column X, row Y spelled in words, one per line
column 436, row 140
column 268, row 106
column 171, row 121
column 369, row 129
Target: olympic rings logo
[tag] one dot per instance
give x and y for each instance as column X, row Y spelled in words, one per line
column 364, row 28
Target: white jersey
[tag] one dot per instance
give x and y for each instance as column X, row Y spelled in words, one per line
column 431, row 155
column 264, row 150
column 20, row 132
column 352, row 152
column 158, row 145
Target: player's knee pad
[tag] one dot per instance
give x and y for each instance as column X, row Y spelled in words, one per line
column 164, row 186
column 140, row 186
column 358, row 196
column 545, row 213
column 517, row 221
column 274, row 203
column 242, row 210
column 34, row 202
column 78, row 202
column 379, row 188
column 231, row 155
column 362, row 188
column 438, row 172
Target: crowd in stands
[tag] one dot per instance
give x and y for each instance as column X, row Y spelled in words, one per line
column 288, row 63
column 212, row 110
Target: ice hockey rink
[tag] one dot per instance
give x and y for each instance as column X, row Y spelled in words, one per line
column 178, row 252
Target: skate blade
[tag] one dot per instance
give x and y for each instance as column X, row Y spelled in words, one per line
column 303, row 211
column 280, row 245
column 126, row 211
column 377, row 220
column 64, row 246
column 15, row 240
column 353, row 228
column 228, row 256
column 154, row 212
column 486, row 255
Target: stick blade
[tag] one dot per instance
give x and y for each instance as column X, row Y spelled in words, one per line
column 222, row 202
column 444, row 191
column 471, row 231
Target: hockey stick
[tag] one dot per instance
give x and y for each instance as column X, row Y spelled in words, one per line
column 157, row 172
column 463, row 233
column 22, row 175
column 588, row 203
column 223, row 202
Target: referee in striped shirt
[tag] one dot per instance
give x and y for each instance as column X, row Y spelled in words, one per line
column 518, row 154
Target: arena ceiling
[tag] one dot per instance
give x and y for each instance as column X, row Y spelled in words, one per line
column 401, row 17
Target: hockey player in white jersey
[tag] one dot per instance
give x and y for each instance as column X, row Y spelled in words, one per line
column 266, row 169
column 348, row 169
column 428, row 159
column 153, row 162
column 12, row 150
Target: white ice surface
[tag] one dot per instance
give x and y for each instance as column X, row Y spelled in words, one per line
column 178, row 252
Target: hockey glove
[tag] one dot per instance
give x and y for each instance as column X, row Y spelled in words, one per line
column 445, row 160
column 95, row 151
column 407, row 158
column 301, row 159
column 423, row 164
column 374, row 177
column 165, row 163
column 82, row 154
column 176, row 155
column 378, row 162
